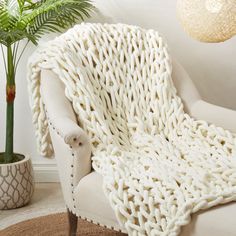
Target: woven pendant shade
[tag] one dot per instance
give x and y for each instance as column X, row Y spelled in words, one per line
column 208, row 20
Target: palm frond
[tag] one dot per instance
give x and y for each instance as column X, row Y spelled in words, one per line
column 8, row 38
column 9, row 12
column 64, row 15
column 31, row 19
column 57, row 7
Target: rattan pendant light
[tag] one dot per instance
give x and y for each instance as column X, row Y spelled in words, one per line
column 208, row 20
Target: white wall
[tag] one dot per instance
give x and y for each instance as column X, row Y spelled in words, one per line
column 212, row 66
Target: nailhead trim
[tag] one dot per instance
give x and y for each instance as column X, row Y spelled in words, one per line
column 72, row 170
column 99, row 224
column 51, row 124
column 72, row 154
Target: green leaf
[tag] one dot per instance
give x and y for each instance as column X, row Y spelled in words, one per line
column 9, row 12
column 64, row 15
column 31, row 19
column 9, row 38
column 57, row 7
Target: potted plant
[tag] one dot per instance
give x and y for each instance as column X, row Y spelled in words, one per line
column 26, row 21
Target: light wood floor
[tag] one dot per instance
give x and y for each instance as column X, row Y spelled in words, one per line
column 47, row 199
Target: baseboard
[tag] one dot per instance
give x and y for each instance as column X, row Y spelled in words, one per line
column 46, row 173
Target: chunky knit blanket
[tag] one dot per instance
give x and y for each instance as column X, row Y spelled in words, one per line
column 159, row 165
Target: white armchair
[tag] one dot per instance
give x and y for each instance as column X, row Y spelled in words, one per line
column 82, row 187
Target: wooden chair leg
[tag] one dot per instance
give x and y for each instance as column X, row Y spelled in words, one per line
column 73, row 221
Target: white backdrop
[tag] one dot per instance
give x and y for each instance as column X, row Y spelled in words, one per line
column 212, row 66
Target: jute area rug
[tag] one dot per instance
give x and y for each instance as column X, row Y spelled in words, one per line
column 55, row 225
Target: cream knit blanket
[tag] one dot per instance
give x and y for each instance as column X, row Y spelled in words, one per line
column 159, row 165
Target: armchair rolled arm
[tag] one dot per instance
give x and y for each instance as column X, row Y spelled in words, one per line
column 196, row 107
column 70, row 143
column 71, row 133
column 73, row 153
column 220, row 116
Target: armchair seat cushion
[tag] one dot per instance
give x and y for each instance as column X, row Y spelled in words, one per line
column 93, row 205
